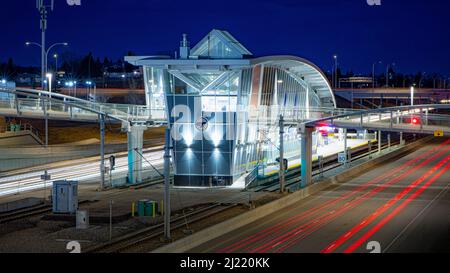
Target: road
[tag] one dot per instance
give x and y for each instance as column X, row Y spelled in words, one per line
column 401, row 206
column 84, row 170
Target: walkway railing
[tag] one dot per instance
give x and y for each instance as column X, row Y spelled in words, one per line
column 38, row 103
column 25, row 127
column 418, row 118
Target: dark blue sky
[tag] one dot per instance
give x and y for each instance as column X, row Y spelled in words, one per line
column 412, row 33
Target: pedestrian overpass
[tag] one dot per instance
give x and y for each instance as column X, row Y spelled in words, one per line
column 31, row 103
column 416, row 119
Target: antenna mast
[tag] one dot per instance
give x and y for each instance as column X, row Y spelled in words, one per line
column 42, row 8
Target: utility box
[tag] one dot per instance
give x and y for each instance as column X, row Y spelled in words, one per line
column 151, row 208
column 65, row 196
column 147, row 208
column 141, row 207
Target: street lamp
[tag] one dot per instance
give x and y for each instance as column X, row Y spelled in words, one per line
column 56, row 62
column 335, row 81
column 387, row 73
column 45, row 56
column 373, row 73
column 421, row 78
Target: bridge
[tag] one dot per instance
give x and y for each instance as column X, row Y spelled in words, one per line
column 419, row 119
column 409, row 119
column 31, row 103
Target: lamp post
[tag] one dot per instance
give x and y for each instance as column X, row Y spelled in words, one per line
column 89, row 90
column 421, row 78
column 387, row 73
column 56, row 62
column 373, row 74
column 49, row 79
column 45, row 56
column 335, row 57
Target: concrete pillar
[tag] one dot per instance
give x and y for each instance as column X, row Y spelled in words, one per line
column 282, row 167
column 345, row 146
column 102, row 150
column 135, row 143
column 389, row 141
column 379, row 142
column 166, row 204
column 401, row 138
column 306, row 156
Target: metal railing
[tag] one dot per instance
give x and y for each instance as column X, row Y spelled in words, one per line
column 22, row 127
column 38, row 103
column 418, row 118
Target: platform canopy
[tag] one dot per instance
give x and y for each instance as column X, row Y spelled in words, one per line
column 304, row 70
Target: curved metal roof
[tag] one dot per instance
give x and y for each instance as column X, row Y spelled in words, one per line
column 305, row 70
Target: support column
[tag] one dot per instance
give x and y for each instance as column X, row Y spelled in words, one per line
column 401, row 138
column 379, row 142
column 345, row 146
column 306, row 156
column 166, row 204
column 135, row 143
column 389, row 141
column 282, row 167
column 44, row 102
column 102, row 150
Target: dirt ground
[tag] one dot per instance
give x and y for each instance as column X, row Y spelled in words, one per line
column 61, row 132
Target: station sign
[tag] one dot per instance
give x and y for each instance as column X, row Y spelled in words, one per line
column 46, row 176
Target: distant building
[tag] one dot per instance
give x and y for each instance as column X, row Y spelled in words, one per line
column 28, row 79
column 355, row 82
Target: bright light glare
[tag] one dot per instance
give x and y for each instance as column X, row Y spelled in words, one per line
column 188, row 138
column 216, row 138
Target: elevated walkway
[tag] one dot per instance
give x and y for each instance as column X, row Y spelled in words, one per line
column 418, row 119
column 31, row 103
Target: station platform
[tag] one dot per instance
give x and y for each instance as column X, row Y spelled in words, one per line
column 324, row 150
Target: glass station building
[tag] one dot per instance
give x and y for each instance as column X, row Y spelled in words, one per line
column 223, row 107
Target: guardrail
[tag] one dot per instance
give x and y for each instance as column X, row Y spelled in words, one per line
column 11, row 127
column 57, row 105
column 417, row 118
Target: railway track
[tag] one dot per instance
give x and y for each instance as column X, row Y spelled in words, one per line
column 330, row 163
column 28, row 212
column 139, row 238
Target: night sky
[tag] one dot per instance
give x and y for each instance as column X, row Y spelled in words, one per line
column 412, row 33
